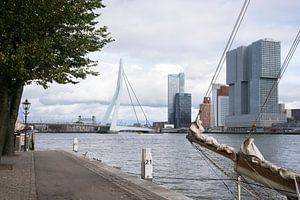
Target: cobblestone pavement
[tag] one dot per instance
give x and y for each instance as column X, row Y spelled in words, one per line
column 17, row 183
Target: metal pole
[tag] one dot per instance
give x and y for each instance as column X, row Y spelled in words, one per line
column 25, row 144
column 238, row 187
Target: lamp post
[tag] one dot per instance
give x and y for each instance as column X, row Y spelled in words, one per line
column 26, row 106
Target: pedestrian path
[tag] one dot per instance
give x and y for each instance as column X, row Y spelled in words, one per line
column 18, row 183
column 59, row 175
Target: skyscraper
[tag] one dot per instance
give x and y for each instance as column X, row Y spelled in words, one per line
column 183, row 107
column 250, row 73
column 175, row 85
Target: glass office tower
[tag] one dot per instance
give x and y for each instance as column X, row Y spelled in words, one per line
column 175, row 85
column 183, row 110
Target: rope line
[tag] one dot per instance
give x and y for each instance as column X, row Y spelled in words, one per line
column 209, row 179
column 228, row 44
column 206, row 159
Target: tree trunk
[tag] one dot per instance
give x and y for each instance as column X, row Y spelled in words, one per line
column 4, row 112
column 15, row 96
column 10, row 97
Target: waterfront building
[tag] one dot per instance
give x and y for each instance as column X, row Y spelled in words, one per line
column 281, row 108
column 296, row 115
column 175, row 85
column 251, row 72
column 214, row 102
column 86, row 120
column 159, row 124
column 222, row 105
column 183, row 110
column 219, row 104
column 206, row 116
column 288, row 113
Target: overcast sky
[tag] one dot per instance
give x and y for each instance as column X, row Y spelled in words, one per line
column 160, row 37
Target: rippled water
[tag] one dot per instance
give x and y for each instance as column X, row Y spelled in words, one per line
column 177, row 165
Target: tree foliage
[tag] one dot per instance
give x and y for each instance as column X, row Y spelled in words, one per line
column 44, row 41
column 47, row 40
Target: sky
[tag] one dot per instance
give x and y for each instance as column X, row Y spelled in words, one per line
column 160, row 37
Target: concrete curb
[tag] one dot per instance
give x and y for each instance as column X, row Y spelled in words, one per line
column 130, row 183
column 32, row 193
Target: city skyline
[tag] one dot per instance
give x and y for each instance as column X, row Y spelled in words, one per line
column 177, row 36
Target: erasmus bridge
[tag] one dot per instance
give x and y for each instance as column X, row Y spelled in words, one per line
column 114, row 106
column 109, row 121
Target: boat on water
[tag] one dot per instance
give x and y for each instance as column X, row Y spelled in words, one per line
column 249, row 162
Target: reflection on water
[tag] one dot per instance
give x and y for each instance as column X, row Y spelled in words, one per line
column 174, row 156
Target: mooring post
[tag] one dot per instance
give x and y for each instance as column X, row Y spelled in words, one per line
column 147, row 164
column 75, row 145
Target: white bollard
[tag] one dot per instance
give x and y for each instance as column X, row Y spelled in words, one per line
column 75, row 144
column 147, row 164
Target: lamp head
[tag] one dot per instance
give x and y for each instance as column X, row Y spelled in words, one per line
column 26, row 105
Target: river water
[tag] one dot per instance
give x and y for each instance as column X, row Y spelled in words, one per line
column 177, row 165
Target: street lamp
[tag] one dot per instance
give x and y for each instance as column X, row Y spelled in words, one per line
column 26, row 106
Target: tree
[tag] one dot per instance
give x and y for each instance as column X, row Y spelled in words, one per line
column 44, row 41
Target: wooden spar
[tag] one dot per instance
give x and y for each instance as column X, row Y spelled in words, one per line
column 231, row 156
column 254, row 170
column 266, row 176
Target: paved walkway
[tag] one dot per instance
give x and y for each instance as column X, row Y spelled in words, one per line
column 61, row 175
column 18, row 183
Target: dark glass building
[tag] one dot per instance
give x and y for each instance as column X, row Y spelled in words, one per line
column 183, row 107
column 296, row 114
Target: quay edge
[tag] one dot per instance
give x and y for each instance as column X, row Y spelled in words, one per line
column 126, row 181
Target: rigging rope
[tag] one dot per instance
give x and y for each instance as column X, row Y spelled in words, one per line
column 228, row 45
column 255, row 192
column 207, row 158
column 279, row 76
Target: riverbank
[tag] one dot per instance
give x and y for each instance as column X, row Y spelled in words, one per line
column 253, row 133
column 63, row 175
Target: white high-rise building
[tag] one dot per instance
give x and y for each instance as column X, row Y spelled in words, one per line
column 214, row 102
column 175, row 85
column 220, row 104
column 223, row 108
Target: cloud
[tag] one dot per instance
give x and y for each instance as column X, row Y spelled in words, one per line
column 157, row 38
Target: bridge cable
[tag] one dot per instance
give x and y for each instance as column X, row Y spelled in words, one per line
column 147, row 121
column 131, row 100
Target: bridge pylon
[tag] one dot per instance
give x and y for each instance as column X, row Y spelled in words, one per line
column 115, row 102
